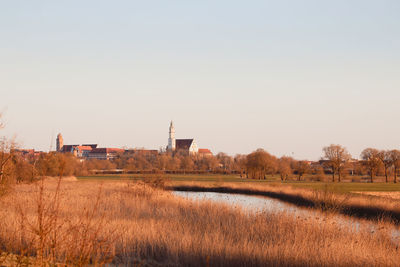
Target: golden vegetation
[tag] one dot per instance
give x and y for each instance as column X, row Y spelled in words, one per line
column 81, row 223
column 391, row 195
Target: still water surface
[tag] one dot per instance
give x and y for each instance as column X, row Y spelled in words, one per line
column 249, row 203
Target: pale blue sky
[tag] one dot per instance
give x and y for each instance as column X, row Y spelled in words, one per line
column 286, row 76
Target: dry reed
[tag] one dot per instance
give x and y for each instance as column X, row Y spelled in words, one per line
column 135, row 224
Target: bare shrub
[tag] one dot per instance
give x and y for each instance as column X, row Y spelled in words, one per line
column 86, row 245
column 52, row 237
column 371, row 161
column 7, row 168
column 156, row 180
column 337, row 157
column 329, row 200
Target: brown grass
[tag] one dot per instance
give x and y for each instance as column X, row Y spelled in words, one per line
column 134, row 224
column 392, row 195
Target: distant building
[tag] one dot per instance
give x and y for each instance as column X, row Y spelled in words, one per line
column 87, row 151
column 171, row 140
column 27, row 154
column 204, row 152
column 91, row 145
column 68, row 148
column 83, row 151
column 185, row 145
column 59, row 143
column 104, row 153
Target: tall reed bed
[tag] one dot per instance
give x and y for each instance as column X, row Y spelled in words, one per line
column 134, row 224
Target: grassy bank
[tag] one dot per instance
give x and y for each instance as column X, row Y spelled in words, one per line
column 132, row 223
column 348, row 187
column 170, row 177
column 210, row 179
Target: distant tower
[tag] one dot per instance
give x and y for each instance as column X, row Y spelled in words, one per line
column 59, row 142
column 171, row 139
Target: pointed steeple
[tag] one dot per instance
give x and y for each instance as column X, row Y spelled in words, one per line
column 171, row 128
column 171, row 139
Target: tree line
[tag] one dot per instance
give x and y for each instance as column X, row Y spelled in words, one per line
column 336, row 161
column 260, row 164
column 373, row 161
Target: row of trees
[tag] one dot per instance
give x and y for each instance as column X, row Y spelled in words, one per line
column 374, row 160
column 259, row 164
column 256, row 165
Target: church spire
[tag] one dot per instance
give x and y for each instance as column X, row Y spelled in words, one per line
column 171, row 139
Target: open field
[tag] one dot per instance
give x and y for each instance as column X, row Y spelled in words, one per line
column 128, row 223
column 171, row 177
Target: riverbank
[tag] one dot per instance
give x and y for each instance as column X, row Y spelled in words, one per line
column 132, row 223
column 356, row 183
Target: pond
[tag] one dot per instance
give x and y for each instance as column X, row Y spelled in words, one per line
column 249, row 203
column 255, row 204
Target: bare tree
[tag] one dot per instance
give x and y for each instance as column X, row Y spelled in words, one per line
column 260, row 163
column 240, row 164
column 386, row 159
column 284, row 167
column 395, row 160
column 371, row 161
column 187, row 164
column 225, row 161
column 319, row 171
column 174, row 163
column 301, row 168
column 5, row 157
column 6, row 153
column 337, row 157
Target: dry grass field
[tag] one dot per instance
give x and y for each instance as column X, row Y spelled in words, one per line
column 130, row 223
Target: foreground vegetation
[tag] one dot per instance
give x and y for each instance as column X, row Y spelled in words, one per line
column 132, row 223
column 130, row 219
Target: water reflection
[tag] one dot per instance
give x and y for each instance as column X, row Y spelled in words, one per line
column 251, row 203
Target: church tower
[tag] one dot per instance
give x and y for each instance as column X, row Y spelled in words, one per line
column 171, row 139
column 59, row 143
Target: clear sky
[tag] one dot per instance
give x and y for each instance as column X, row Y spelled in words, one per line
column 286, row 76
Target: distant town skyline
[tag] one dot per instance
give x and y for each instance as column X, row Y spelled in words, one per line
column 289, row 77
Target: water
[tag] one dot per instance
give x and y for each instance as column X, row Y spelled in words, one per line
column 250, row 203
column 255, row 204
